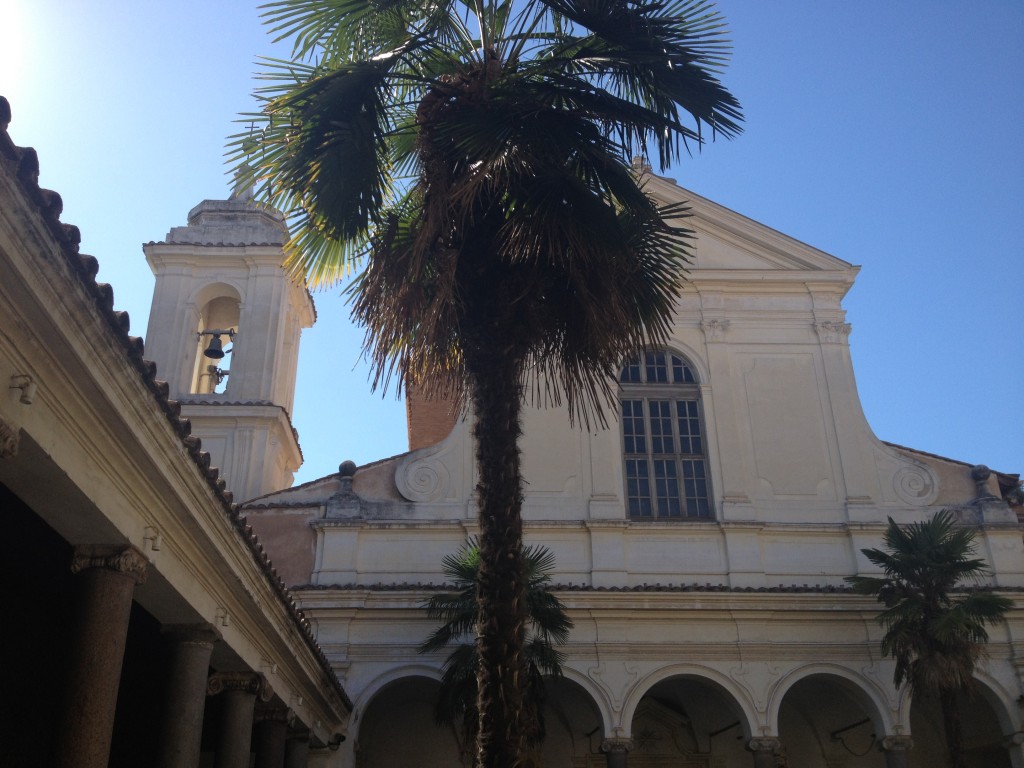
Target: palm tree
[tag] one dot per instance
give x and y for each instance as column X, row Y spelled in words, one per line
column 457, row 610
column 935, row 636
column 478, row 154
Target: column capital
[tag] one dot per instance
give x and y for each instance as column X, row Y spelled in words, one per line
column 246, row 682
column 128, row 561
column 617, row 745
column 895, row 744
column 10, row 438
column 764, row 744
column 714, row 329
column 1015, row 739
column 831, row 332
column 191, row 634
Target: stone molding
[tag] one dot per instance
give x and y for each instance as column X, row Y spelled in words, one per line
column 764, row 744
column 832, row 333
column 617, row 745
column 896, row 744
column 246, row 682
column 10, row 437
column 128, row 561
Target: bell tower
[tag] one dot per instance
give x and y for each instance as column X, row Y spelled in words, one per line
column 224, row 331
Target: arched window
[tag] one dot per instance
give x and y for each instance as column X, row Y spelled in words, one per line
column 663, row 439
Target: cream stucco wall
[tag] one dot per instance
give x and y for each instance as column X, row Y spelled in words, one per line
column 749, row 602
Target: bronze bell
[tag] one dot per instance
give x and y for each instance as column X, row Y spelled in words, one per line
column 215, row 350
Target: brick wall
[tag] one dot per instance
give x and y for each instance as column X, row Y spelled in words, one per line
column 429, row 420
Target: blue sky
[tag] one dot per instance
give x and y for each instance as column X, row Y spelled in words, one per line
column 890, row 134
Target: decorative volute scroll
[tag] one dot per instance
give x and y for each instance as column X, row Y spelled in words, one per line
column 617, row 745
column 128, row 561
column 915, row 484
column 246, row 682
column 896, row 744
column 423, row 475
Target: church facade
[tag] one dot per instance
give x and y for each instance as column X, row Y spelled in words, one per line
column 702, row 541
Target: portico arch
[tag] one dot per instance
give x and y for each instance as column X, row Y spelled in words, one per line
column 736, row 694
column 862, row 689
column 396, row 726
column 988, row 724
column 827, row 714
column 574, row 724
column 690, row 716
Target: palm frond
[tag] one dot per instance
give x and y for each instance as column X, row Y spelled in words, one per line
column 934, row 635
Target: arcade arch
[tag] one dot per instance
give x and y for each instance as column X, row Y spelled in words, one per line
column 397, row 728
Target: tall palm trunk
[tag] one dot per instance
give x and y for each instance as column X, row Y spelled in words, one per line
column 500, row 588
column 951, row 724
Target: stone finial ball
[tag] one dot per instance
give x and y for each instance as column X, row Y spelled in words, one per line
column 980, row 472
column 347, row 468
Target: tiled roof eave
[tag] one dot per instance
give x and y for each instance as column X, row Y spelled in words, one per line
column 23, row 164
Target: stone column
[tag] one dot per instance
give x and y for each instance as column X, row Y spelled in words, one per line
column 296, row 750
column 617, row 752
column 764, row 750
column 270, row 734
column 181, row 728
column 895, row 749
column 106, row 582
column 240, row 690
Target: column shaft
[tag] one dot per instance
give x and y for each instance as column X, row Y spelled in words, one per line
column 269, row 741
column 895, row 749
column 106, row 585
column 181, row 728
column 239, row 690
column 296, row 751
column 233, row 747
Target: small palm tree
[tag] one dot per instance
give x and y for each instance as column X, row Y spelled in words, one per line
column 549, row 627
column 934, row 635
column 475, row 157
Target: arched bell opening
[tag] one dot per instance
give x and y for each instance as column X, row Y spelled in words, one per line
column 218, row 324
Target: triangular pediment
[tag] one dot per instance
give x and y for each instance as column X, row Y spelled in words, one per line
column 727, row 240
